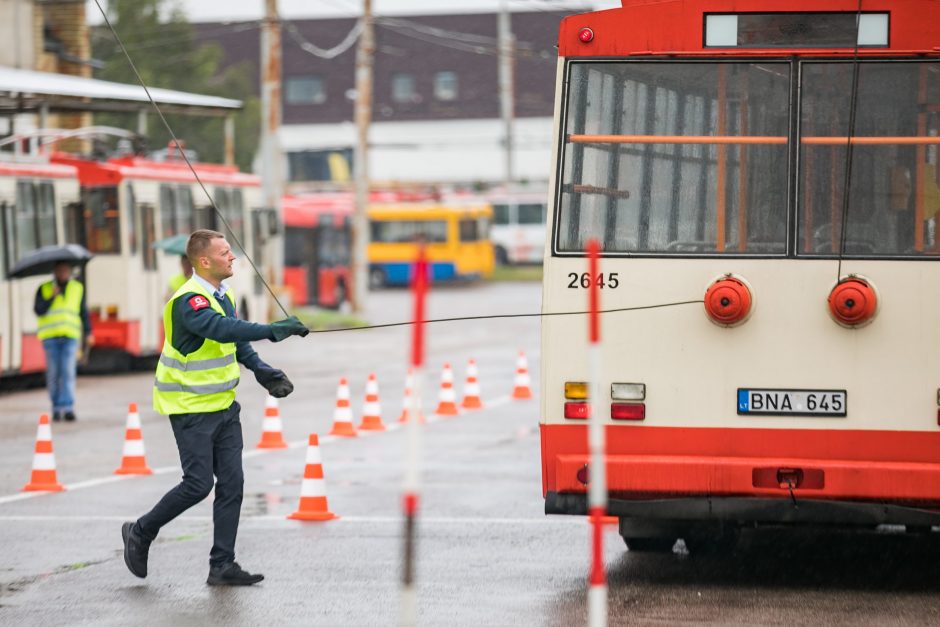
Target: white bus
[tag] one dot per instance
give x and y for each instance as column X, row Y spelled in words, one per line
column 518, row 229
column 34, row 195
column 704, row 144
column 118, row 208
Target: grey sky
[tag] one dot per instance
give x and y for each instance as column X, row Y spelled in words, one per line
column 219, row 10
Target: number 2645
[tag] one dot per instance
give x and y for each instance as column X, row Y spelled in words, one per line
column 584, row 280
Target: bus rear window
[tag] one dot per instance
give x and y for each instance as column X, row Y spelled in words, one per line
column 408, row 231
column 102, row 220
column 675, row 158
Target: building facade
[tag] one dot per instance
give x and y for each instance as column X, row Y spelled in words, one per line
column 436, row 100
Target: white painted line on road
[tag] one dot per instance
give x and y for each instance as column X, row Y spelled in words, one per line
column 91, row 483
column 246, row 520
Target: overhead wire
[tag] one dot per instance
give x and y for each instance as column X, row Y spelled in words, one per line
column 189, row 164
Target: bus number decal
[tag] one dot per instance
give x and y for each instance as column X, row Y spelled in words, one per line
column 584, row 280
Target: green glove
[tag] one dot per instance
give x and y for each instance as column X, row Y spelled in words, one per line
column 283, row 329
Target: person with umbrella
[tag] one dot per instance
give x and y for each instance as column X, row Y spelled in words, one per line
column 63, row 322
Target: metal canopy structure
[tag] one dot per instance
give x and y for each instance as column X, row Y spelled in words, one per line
column 29, row 90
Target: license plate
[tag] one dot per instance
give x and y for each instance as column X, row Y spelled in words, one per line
column 791, row 402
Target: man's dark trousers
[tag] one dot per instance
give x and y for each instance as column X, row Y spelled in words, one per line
column 209, row 444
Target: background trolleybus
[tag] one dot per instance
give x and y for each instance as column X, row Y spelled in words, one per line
column 704, row 144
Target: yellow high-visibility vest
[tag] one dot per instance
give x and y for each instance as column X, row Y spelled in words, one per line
column 202, row 381
column 177, row 281
column 64, row 316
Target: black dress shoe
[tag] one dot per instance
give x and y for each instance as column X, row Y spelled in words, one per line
column 135, row 550
column 70, row 416
column 231, row 575
column 56, row 416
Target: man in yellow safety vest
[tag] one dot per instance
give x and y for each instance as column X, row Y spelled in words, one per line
column 63, row 322
column 195, row 386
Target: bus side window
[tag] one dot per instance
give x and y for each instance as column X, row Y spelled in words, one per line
column 184, row 210
column 148, row 234
column 75, row 224
column 27, row 238
column 5, row 237
column 500, row 214
column 168, row 210
column 45, row 214
column 133, row 236
column 103, row 221
column 531, row 213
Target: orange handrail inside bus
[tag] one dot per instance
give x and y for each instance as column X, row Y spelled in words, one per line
column 750, row 139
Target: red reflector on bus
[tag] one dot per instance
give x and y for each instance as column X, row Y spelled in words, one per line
column 627, row 411
column 586, row 35
column 578, row 411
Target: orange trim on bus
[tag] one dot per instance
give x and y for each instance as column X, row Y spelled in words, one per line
column 888, row 465
column 754, row 139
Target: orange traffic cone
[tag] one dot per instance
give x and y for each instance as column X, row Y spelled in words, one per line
column 372, row 411
column 342, row 415
column 313, row 489
column 133, row 461
column 409, row 390
column 271, row 427
column 43, row 478
column 521, row 389
column 471, row 389
column 447, row 399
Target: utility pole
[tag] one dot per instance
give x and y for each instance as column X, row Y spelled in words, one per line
column 272, row 175
column 506, row 96
column 365, row 54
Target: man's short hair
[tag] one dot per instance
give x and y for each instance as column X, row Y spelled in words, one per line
column 199, row 243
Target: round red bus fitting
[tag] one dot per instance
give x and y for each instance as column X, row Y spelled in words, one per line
column 586, row 35
column 728, row 301
column 853, row 302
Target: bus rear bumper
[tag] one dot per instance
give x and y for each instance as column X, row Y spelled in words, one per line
column 756, row 510
column 661, row 475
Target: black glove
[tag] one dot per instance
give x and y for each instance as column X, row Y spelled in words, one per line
column 275, row 382
column 283, row 329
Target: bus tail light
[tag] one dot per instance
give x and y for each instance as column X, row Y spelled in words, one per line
column 628, row 411
column 112, row 311
column 576, row 390
column 578, row 411
column 628, row 391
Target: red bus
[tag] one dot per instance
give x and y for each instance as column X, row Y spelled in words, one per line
column 317, row 248
column 705, row 145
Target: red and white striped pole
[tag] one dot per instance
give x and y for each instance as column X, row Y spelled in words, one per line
column 597, row 497
column 409, row 600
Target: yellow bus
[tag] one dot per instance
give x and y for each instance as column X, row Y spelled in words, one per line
column 457, row 238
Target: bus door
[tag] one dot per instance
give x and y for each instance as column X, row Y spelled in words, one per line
column 153, row 289
column 6, row 290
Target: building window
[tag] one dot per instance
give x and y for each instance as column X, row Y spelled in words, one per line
column 445, row 86
column 303, row 90
column 403, row 88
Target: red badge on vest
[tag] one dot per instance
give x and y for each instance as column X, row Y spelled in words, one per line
column 198, row 302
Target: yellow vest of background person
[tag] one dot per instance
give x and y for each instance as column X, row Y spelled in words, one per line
column 202, row 381
column 63, row 318
column 177, row 281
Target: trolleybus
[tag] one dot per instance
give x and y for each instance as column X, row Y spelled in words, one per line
column 34, row 196
column 705, row 145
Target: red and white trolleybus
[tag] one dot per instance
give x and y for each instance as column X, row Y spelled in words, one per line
column 705, row 144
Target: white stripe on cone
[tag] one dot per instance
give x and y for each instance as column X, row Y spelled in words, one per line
column 133, row 448
column 313, row 487
column 44, row 461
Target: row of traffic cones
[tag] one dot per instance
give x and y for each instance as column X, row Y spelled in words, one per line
column 313, row 503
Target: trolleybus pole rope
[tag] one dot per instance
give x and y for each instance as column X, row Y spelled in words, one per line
column 853, row 106
column 176, row 143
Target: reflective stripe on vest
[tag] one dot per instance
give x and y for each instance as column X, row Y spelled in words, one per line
column 202, row 381
column 63, row 319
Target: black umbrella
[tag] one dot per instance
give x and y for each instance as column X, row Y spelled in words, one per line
column 43, row 260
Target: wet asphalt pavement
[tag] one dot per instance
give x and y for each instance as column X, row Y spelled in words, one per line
column 487, row 554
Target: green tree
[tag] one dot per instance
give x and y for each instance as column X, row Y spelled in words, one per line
column 163, row 47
